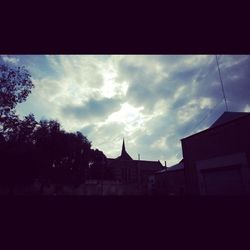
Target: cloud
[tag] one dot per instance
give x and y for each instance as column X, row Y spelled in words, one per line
column 152, row 101
column 92, row 110
column 184, row 88
column 10, row 59
column 62, row 81
column 106, row 137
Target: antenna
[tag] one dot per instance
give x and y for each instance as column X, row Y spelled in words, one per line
column 221, row 83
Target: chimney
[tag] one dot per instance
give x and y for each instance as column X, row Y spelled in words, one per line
column 165, row 164
column 138, row 157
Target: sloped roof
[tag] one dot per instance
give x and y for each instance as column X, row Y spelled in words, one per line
column 162, row 171
column 178, row 166
column 124, row 155
column 126, row 160
column 227, row 117
column 152, row 165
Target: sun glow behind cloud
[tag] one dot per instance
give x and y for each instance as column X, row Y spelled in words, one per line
column 110, row 86
column 152, row 101
column 130, row 117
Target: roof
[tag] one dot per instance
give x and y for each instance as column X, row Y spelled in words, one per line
column 227, row 117
column 126, row 160
column 162, row 171
column 146, row 165
column 178, row 166
column 224, row 119
column 124, row 155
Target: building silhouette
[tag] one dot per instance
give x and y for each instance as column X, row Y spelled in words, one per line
column 132, row 172
column 217, row 160
column 169, row 181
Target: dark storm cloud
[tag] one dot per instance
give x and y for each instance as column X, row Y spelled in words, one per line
column 92, row 109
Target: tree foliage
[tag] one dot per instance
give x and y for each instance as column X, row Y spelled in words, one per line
column 15, row 86
column 40, row 150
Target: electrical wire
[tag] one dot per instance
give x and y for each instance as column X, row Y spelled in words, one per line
column 222, row 87
column 207, row 115
column 203, row 119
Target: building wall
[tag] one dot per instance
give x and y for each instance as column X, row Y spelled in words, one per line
column 129, row 172
column 224, row 140
column 167, row 183
column 231, row 175
column 160, row 186
column 89, row 188
column 176, row 182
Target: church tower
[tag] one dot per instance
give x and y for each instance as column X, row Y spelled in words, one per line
column 124, row 155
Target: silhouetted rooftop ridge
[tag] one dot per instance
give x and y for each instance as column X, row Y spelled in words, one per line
column 178, row 166
column 224, row 119
column 227, row 117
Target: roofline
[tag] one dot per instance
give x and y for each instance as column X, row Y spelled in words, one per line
column 161, row 172
column 169, row 170
column 136, row 160
column 148, row 160
column 218, row 126
column 172, row 170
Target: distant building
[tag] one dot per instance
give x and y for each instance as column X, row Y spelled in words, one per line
column 217, row 160
column 176, row 179
column 128, row 171
column 169, row 181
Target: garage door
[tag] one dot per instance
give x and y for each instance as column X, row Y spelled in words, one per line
column 223, row 181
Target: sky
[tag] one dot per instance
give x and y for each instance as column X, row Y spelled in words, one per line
column 153, row 101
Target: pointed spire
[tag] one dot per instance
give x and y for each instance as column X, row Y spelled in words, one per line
column 123, row 147
column 124, row 155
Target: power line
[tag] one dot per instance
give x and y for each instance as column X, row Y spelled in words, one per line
column 224, row 97
column 207, row 115
column 211, row 110
column 203, row 119
column 221, row 83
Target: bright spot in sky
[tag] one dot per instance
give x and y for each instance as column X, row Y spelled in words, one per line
column 110, row 86
column 131, row 117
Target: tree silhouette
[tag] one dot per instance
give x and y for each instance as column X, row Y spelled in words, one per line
column 15, row 86
column 40, row 150
column 98, row 166
column 18, row 153
column 64, row 156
